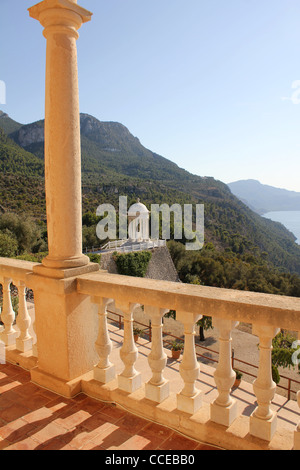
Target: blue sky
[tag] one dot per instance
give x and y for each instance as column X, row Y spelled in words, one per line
column 200, row 82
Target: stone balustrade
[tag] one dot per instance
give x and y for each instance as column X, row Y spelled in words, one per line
column 16, row 327
column 267, row 313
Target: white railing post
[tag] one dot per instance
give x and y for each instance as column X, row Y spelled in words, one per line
column 9, row 334
column 157, row 389
column 129, row 380
column 224, row 409
column 104, row 371
column 189, row 399
column 297, row 432
column 24, row 341
column 263, row 420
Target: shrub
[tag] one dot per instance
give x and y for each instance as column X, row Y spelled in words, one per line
column 133, row 264
column 34, row 258
column 94, row 257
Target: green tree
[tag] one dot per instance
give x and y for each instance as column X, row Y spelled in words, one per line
column 204, row 324
column 25, row 231
column 133, row 264
column 282, row 353
column 8, row 245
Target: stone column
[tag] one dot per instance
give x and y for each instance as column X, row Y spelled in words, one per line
column 190, row 398
column 224, row 409
column 61, row 20
column 66, row 322
column 297, row 432
column 263, row 420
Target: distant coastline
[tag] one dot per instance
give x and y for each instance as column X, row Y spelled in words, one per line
column 290, row 219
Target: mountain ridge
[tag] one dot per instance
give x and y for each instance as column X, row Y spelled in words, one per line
column 264, row 198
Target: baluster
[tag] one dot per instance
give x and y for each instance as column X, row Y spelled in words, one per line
column 224, row 409
column 24, row 341
column 263, row 420
column 190, row 398
column 297, row 432
column 129, row 380
column 8, row 335
column 105, row 371
column 157, row 389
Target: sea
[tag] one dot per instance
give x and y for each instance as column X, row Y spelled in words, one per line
column 290, row 219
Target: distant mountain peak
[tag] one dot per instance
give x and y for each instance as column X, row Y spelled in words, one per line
column 264, row 198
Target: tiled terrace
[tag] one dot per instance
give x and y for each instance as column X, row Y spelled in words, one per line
column 32, row 418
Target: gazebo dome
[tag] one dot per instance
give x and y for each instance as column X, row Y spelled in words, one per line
column 138, row 209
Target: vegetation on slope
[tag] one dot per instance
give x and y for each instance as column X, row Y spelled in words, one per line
column 115, row 163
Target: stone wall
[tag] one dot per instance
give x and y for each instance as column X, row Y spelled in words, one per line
column 161, row 266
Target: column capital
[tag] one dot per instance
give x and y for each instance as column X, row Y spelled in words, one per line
column 60, row 14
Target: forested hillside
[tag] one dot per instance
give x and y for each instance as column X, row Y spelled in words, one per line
column 115, row 163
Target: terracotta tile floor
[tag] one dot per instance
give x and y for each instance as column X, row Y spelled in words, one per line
column 32, row 418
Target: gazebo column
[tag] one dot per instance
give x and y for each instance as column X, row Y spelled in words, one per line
column 66, row 321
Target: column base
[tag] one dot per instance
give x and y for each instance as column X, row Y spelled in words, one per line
column 189, row 405
column 50, row 382
column 64, row 272
column 24, row 346
column 105, row 375
column 297, row 440
column 157, row 393
column 74, row 262
column 130, row 384
column 8, row 339
column 224, row 415
column 263, row 429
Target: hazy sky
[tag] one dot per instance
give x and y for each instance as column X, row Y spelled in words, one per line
column 205, row 83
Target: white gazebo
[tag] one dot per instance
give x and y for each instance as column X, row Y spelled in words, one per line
column 138, row 222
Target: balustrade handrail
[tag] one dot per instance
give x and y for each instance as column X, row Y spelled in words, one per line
column 249, row 307
column 15, row 269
